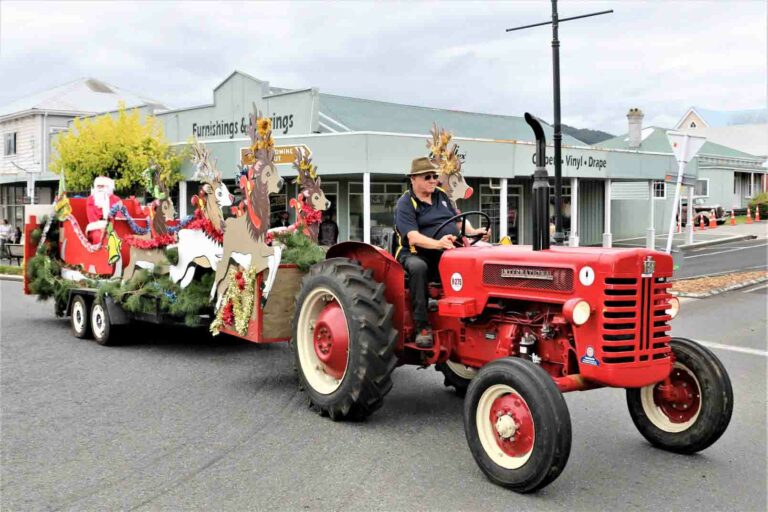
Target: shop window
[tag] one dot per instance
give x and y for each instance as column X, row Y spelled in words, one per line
column 384, row 198
column 701, row 189
column 659, row 190
column 10, row 144
column 490, row 204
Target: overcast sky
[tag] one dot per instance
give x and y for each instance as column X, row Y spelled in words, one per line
column 661, row 56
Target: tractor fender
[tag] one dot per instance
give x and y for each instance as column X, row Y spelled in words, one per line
column 386, row 270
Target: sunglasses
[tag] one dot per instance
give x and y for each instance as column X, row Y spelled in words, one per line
column 430, row 177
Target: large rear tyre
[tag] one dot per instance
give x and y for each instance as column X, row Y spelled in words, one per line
column 456, row 375
column 517, row 425
column 700, row 410
column 79, row 321
column 343, row 340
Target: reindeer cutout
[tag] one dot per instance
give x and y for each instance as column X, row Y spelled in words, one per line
column 448, row 160
column 311, row 200
column 200, row 243
column 244, row 235
column 147, row 250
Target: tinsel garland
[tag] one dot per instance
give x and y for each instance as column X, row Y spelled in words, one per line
column 204, row 224
column 83, row 239
column 44, row 235
column 237, row 304
column 152, row 243
column 120, row 208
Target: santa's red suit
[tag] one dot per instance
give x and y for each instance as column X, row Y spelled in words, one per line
column 97, row 207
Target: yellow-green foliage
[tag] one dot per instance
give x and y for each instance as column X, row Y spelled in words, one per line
column 120, row 147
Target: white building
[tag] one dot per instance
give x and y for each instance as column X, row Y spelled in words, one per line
column 28, row 126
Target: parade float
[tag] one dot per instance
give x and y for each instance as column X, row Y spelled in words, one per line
column 108, row 261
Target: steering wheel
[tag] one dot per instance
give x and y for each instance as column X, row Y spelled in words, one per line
column 462, row 232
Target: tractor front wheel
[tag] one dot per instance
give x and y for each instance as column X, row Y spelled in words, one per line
column 695, row 412
column 517, row 425
column 343, row 340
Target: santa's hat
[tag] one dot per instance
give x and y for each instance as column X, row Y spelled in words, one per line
column 103, row 181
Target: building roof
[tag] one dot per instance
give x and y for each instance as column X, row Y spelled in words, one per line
column 85, row 95
column 345, row 114
column 654, row 140
column 719, row 118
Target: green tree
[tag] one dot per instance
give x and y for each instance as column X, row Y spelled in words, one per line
column 119, row 147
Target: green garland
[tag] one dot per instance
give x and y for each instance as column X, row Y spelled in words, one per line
column 46, row 282
column 237, row 304
column 300, row 250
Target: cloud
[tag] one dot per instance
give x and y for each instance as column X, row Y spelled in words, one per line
column 660, row 56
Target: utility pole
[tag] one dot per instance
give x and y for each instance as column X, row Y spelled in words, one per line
column 558, row 137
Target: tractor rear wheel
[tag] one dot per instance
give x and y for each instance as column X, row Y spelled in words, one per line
column 343, row 340
column 517, row 425
column 700, row 410
column 457, row 375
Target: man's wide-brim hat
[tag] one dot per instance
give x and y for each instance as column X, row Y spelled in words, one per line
column 422, row 166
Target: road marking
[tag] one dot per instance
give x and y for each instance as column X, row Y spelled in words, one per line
column 753, row 351
column 725, row 251
column 758, row 287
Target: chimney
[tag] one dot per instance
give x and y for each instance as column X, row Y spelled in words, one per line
column 635, row 121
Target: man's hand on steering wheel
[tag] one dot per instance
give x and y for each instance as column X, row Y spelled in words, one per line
column 446, row 242
column 477, row 235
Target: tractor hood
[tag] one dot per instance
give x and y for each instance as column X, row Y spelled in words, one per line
column 553, row 275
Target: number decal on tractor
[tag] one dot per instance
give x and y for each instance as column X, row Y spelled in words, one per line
column 457, row 282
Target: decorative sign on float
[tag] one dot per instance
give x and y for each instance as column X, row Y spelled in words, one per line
column 283, row 154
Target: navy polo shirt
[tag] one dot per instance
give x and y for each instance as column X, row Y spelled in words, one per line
column 412, row 214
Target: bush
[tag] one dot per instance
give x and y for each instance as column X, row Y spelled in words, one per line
column 760, row 201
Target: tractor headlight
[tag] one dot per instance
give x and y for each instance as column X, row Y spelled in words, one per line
column 577, row 311
column 674, row 307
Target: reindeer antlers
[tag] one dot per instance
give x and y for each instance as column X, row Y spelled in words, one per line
column 262, row 144
column 440, row 154
column 206, row 165
column 305, row 169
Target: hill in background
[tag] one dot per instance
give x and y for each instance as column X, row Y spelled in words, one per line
column 586, row 135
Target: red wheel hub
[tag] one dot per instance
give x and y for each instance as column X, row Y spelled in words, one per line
column 513, row 425
column 680, row 403
column 331, row 339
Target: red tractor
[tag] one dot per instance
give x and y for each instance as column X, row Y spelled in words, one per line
column 515, row 327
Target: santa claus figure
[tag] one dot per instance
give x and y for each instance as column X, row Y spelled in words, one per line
column 101, row 200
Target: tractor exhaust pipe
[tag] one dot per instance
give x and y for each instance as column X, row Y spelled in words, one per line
column 540, row 188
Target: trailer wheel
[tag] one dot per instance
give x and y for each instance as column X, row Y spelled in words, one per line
column 101, row 326
column 702, row 406
column 456, row 375
column 343, row 340
column 517, row 425
column 79, row 321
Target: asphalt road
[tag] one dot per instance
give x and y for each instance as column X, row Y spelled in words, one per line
column 179, row 421
column 742, row 255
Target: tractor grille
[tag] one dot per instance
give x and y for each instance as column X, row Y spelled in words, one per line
column 536, row 278
column 634, row 323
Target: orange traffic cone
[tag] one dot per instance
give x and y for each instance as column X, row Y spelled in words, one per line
column 757, row 213
column 701, row 222
column 749, row 216
column 712, row 219
column 733, row 218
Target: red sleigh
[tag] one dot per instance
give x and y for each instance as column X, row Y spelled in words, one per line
column 94, row 258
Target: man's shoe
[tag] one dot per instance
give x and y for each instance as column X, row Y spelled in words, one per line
column 424, row 339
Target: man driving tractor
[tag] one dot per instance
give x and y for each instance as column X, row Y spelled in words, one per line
column 418, row 214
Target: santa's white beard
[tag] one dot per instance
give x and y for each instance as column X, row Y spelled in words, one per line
column 101, row 199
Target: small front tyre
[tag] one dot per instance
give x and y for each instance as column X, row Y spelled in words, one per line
column 456, row 375
column 517, row 425
column 697, row 410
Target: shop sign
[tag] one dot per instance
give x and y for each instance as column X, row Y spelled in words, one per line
column 283, row 154
column 574, row 162
column 281, row 124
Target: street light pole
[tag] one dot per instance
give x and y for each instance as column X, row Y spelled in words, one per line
column 558, row 137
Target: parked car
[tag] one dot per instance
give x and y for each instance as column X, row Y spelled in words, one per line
column 702, row 208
